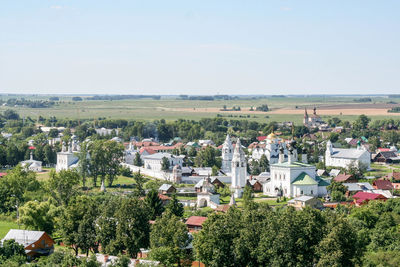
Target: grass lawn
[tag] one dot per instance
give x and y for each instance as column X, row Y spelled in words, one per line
column 5, row 226
column 379, row 170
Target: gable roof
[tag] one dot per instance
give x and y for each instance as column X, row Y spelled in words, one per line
column 383, row 184
column 23, row 237
column 304, row 179
column 348, row 153
column 165, row 187
column 351, row 187
column 195, row 220
column 343, row 177
column 367, row 196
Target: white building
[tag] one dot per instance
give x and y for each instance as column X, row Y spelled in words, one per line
column 271, row 150
column 103, row 131
column 32, row 165
column 343, row 158
column 66, row 159
column 227, row 154
column 154, row 162
column 207, row 197
column 238, row 170
column 293, row 179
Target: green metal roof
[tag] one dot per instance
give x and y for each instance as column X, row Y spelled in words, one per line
column 304, row 179
column 321, row 182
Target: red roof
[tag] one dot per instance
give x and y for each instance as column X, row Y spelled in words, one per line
column 381, row 149
column 2, row 174
column 383, row 184
column 163, row 197
column 261, row 138
column 342, row 177
column 361, row 196
column 148, row 150
column 195, row 220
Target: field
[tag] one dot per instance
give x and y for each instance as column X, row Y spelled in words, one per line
column 290, row 108
column 5, row 226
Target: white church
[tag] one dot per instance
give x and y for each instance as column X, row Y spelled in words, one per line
column 293, row 178
column 343, row 158
column 271, row 150
column 66, row 159
column 234, row 164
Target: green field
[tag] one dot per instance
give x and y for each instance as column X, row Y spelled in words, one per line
column 5, row 226
column 172, row 109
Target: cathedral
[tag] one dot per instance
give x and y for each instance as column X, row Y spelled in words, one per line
column 271, row 150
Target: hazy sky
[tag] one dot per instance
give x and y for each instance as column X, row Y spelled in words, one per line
column 200, row 46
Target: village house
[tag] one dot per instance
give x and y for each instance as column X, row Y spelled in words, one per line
column 353, row 188
column 214, row 181
column 345, row 178
column 167, row 189
column 301, row 202
column 36, row 243
column 362, row 198
column 382, row 185
column 194, row 223
column 386, row 157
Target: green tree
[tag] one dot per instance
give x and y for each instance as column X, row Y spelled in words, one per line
column 168, row 239
column 361, row 123
column 77, row 224
column 38, row 216
column 139, row 184
column 137, row 161
column 63, row 186
column 174, row 207
column 154, row 204
column 106, row 226
column 133, row 226
column 165, row 164
column 339, row 247
column 84, row 162
column 337, row 191
column 264, row 163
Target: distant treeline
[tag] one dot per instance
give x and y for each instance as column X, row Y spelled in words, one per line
column 363, row 99
column 394, row 96
column 28, row 103
column 122, row 97
column 207, row 97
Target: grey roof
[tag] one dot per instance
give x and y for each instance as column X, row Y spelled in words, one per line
column 23, row 237
column 358, row 186
column 165, row 187
column 334, row 172
column 348, row 153
column 160, row 155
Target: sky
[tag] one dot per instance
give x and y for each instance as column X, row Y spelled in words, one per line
column 200, row 47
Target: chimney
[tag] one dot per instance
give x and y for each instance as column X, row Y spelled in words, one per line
column 304, row 158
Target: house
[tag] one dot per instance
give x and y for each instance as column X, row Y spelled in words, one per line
column 187, row 171
column 36, row 243
column 255, row 185
column 214, row 181
column 194, row 223
column 301, row 202
column 322, row 172
column 386, row 157
column 167, row 189
column 353, row 188
column 154, row 162
column 334, row 172
column 345, row 178
column 361, row 198
column 343, row 158
column 383, row 185
column 394, row 177
column 206, row 143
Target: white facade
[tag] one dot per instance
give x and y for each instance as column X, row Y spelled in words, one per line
column 343, row 158
column 67, row 160
column 293, row 179
column 227, row 154
column 154, row 162
column 271, row 150
column 239, row 170
column 32, row 165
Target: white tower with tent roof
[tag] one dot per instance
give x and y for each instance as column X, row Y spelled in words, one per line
column 227, row 154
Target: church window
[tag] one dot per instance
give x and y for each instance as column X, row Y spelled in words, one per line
column 242, row 164
column 237, row 164
column 301, row 192
column 312, row 192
